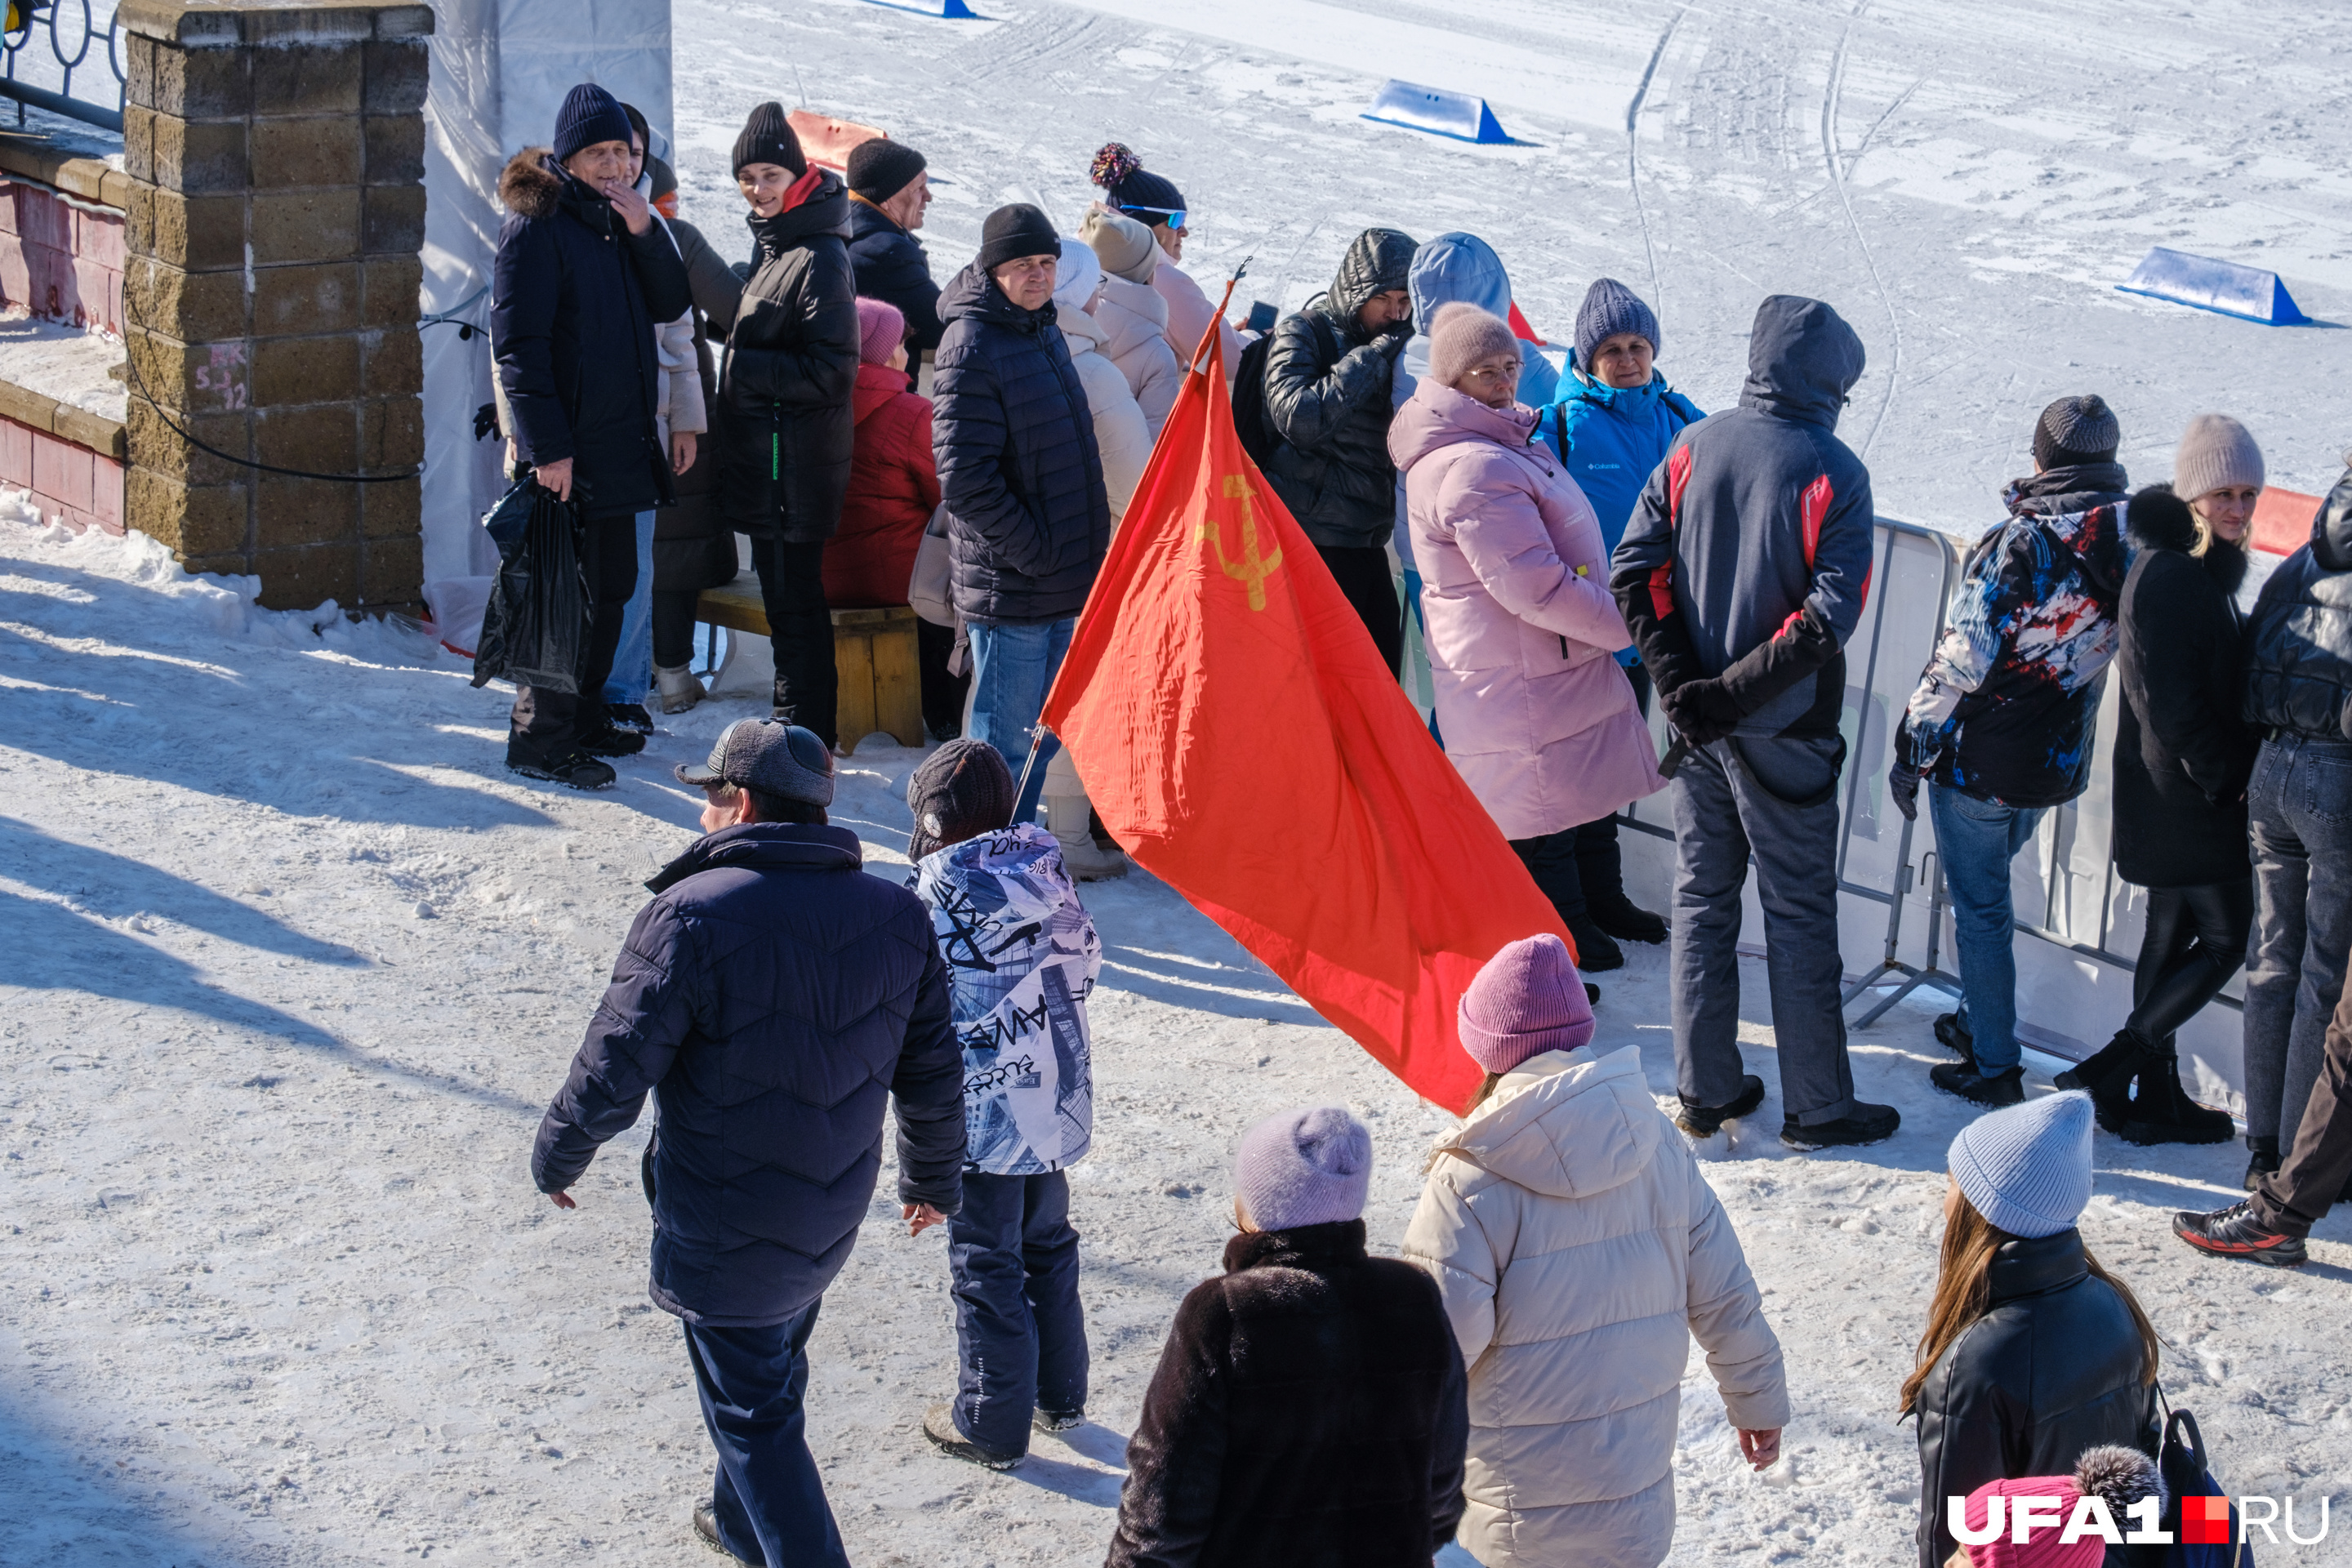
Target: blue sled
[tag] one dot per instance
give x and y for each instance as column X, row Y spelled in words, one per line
column 1440, row 113
column 2223, row 287
column 946, row 10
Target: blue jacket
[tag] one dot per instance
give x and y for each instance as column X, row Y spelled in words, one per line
column 1612, row 439
column 1028, row 517
column 892, row 267
column 774, row 997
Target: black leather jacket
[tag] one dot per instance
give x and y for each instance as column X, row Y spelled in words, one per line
column 2299, row 638
column 2053, row 1369
column 1327, row 393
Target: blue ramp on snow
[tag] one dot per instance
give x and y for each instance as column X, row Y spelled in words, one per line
column 2208, row 285
column 1416, row 107
column 948, row 10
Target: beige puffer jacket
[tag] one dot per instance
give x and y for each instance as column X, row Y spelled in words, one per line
column 1578, row 1250
column 1134, row 320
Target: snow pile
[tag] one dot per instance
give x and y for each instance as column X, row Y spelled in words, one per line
column 77, row 366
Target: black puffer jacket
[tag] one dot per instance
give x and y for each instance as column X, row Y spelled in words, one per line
column 1028, row 517
column 693, row 547
column 774, row 995
column 2054, row 1368
column 2182, row 755
column 2299, row 638
column 1309, row 1411
column 1327, row 393
column 785, row 429
column 573, row 299
column 892, row 265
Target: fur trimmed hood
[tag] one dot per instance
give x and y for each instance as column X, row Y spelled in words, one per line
column 532, row 184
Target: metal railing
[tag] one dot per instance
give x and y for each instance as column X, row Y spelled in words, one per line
column 35, row 40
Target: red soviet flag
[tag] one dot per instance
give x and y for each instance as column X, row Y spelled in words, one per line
column 1240, row 736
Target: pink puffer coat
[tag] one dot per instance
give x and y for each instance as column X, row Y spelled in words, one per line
column 1538, row 718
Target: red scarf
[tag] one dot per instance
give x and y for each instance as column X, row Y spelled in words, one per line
column 802, row 188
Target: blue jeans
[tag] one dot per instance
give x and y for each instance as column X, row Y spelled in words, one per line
column 633, row 661
column 1013, row 666
column 2300, row 828
column 1977, row 839
column 768, row 1496
column 1021, row 1338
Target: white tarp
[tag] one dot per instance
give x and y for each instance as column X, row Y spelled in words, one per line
column 500, row 68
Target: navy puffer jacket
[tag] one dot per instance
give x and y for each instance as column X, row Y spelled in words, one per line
column 1028, row 517
column 2299, row 638
column 573, row 299
column 774, row 995
column 892, row 265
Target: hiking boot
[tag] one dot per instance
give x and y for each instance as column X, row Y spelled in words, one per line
column 629, row 716
column 573, row 769
column 1868, row 1124
column 679, row 691
column 939, row 1426
column 612, row 740
column 1963, row 1081
column 1954, row 1037
column 1045, row 1420
column 2162, row 1113
column 2234, row 1232
column 1626, row 920
column 705, row 1526
column 2264, row 1160
column 1594, row 951
column 1704, row 1121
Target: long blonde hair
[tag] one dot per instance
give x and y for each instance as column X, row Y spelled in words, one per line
column 1964, row 1293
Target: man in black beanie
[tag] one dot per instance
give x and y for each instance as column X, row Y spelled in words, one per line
column 1028, row 517
column 889, row 189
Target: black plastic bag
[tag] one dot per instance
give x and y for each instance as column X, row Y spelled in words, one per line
column 535, row 629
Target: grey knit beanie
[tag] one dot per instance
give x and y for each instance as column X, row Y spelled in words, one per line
column 959, row 791
column 1309, row 1166
column 2028, row 1169
column 2216, row 453
column 2076, row 430
column 1125, row 246
column 1462, row 336
column 1609, row 308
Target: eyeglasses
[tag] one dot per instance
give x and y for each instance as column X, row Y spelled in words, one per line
column 1175, row 215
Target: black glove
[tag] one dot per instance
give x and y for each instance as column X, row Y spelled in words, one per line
column 1903, row 789
column 1703, row 711
column 1393, row 337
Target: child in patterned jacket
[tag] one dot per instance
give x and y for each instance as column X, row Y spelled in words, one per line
column 1022, row 955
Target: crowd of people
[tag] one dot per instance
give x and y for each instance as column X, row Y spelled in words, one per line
column 1575, row 547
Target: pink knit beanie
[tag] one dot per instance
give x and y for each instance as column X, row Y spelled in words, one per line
column 881, row 327
column 1527, row 1000
column 1461, row 335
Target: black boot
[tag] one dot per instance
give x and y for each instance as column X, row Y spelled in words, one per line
column 1703, row 1120
column 2162, row 1113
column 2266, row 1160
column 1962, row 1080
column 612, row 740
column 1954, row 1037
column 1594, row 951
column 2093, row 1069
column 1626, row 920
column 2128, row 1056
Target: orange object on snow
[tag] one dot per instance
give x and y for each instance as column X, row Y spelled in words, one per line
column 1521, row 330
column 827, row 140
column 1242, row 740
column 2282, row 521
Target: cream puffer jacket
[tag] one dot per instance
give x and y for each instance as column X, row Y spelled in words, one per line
column 1122, row 435
column 1134, row 322
column 1579, row 1251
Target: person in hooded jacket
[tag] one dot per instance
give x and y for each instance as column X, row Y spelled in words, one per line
column 2182, row 758
column 1028, row 512
column 1579, row 1250
column 890, row 187
column 1123, row 431
column 1308, row 1410
column 2006, row 711
column 894, row 484
column 1327, row 379
column 788, row 426
column 2032, row 1352
column 583, row 275
column 1131, row 313
column 1154, row 200
column 1538, row 717
column 1741, row 574
column 775, row 999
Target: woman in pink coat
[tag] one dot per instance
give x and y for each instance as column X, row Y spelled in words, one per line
column 1536, row 713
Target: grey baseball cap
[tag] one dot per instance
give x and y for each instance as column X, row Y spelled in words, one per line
column 768, row 755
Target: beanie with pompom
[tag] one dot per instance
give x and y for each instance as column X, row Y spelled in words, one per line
column 1121, row 173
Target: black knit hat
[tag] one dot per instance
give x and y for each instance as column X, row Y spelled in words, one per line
column 2076, row 430
column 1016, row 231
column 1122, row 176
column 881, row 168
column 959, row 791
column 768, row 138
column 589, row 115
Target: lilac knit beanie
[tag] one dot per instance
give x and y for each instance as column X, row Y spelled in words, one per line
column 1527, row 1000
column 1309, row 1166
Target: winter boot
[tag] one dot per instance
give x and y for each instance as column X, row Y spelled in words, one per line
column 1066, row 818
column 706, row 1528
column 1594, row 951
column 612, row 740
column 1703, row 1120
column 573, row 769
column 629, row 716
column 2265, row 1160
column 2234, row 1232
column 939, row 1426
column 1953, row 1034
column 2117, row 1064
column 1963, row 1081
column 1045, row 1420
column 2162, row 1113
column 2123, row 1050
column 1868, row 1124
column 679, row 691
column 1626, row 920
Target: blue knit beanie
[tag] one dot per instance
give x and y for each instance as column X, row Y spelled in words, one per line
column 2028, row 1169
column 1610, row 308
column 589, row 115
column 1310, row 1166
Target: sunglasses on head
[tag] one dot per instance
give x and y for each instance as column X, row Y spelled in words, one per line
column 1174, row 215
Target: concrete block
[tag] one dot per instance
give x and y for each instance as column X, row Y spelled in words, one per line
column 324, row 152
column 201, row 233
column 396, row 74
column 137, row 132
column 394, row 283
column 197, row 155
column 201, row 521
column 102, row 436
column 389, row 511
column 33, row 410
column 323, row 297
column 301, row 579
column 394, row 219
column 61, row 471
column 192, row 307
column 154, row 446
column 233, row 565
column 304, row 226
column 16, row 455
column 138, row 75
column 323, row 438
column 303, row 78
column 288, row 372
column 395, row 361
column 288, row 513
column 390, row 433
column 106, row 495
column 200, row 83
column 395, row 149
column 392, row 570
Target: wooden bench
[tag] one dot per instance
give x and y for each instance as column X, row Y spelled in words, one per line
column 881, row 685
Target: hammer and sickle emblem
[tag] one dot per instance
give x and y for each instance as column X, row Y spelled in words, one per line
column 1252, row 569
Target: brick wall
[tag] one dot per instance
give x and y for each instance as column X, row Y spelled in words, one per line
column 60, row 259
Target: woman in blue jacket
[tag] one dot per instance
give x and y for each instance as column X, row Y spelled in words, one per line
column 1614, row 420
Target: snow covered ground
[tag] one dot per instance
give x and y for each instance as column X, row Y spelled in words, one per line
column 70, row 363
column 294, row 965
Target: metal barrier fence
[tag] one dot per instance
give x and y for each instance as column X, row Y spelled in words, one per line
column 34, row 42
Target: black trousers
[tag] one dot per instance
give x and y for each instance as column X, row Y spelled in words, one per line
column 550, row 723
column 2196, row 940
column 1362, row 573
column 943, row 693
column 2296, row 1195
column 800, row 631
column 673, row 618
column 1575, row 865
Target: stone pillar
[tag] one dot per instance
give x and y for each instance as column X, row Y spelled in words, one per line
column 275, row 151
